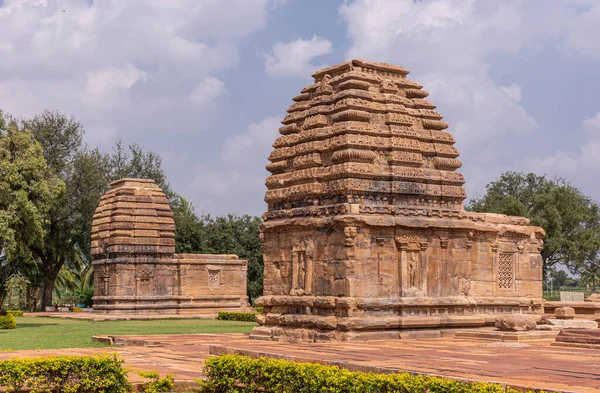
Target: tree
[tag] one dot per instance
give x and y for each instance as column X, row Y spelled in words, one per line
column 559, row 279
column 85, row 174
column 190, row 235
column 231, row 234
column 139, row 164
column 27, row 190
column 571, row 219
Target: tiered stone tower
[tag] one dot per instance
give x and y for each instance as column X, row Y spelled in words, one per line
column 136, row 270
column 365, row 236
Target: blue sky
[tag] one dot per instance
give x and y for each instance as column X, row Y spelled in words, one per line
column 205, row 82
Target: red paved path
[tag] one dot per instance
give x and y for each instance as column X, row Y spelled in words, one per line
column 536, row 365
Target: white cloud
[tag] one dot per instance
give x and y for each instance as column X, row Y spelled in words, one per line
column 235, row 181
column 255, row 144
column 106, row 80
column 446, row 43
column 451, row 46
column 107, row 62
column 207, row 91
column 577, row 166
column 294, row 58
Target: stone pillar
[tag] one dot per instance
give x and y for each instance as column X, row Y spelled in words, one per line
column 443, row 273
column 424, row 244
column 494, row 250
column 380, row 242
column 402, row 244
column 308, row 272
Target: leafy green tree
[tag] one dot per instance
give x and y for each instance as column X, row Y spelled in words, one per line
column 134, row 162
column 85, row 174
column 571, row 219
column 190, row 235
column 27, row 190
column 559, row 279
column 231, row 234
column 238, row 235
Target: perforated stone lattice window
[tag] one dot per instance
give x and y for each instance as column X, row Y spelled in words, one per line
column 506, row 271
column 214, row 278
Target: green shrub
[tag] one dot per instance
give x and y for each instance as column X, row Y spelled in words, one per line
column 16, row 313
column 77, row 309
column 237, row 316
column 65, row 374
column 157, row 384
column 235, row 373
column 258, row 309
column 7, row 321
column 85, row 296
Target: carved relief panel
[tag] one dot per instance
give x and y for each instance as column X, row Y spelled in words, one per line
column 302, row 267
column 102, row 280
column 412, row 265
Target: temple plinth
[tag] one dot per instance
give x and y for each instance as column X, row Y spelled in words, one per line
column 136, row 270
column 365, row 236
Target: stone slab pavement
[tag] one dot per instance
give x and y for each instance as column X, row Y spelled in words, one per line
column 536, row 365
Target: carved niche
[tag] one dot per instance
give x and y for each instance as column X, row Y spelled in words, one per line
column 214, row 275
column 103, row 280
column 302, row 267
column 412, row 265
column 144, row 275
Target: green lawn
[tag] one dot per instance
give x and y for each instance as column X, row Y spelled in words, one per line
column 52, row 333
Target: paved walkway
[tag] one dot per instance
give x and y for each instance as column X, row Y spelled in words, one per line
column 537, row 365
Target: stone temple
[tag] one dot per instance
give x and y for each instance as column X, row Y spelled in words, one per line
column 366, row 237
column 136, row 270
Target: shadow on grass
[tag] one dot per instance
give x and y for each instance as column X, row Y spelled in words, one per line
column 34, row 325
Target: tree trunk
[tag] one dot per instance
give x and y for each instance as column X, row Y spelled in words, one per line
column 48, row 288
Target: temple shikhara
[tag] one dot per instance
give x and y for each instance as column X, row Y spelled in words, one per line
column 366, row 236
column 136, row 270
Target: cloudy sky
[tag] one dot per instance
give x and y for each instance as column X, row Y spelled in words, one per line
column 205, row 82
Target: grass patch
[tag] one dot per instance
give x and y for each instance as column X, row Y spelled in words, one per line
column 54, row 333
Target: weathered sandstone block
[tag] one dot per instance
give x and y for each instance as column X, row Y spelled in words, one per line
column 365, row 234
column 594, row 297
column 136, row 269
column 573, row 323
column 564, row 313
column 516, row 322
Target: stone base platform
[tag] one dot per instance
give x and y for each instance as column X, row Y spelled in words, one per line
column 328, row 318
column 578, row 338
column 503, row 336
column 588, row 310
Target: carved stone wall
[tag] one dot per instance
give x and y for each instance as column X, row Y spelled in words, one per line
column 136, row 269
column 365, row 236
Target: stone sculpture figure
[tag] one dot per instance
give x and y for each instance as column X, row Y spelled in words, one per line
column 136, row 269
column 365, row 236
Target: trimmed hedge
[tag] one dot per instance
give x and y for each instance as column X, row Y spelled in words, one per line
column 236, row 373
column 7, row 321
column 16, row 313
column 259, row 309
column 237, row 316
column 65, row 374
column 156, row 383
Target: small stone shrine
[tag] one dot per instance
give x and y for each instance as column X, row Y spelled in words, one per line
column 136, row 270
column 366, row 237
